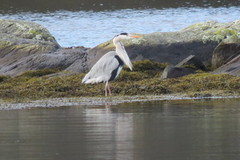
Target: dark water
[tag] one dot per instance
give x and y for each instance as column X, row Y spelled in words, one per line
column 91, row 22
column 176, row 130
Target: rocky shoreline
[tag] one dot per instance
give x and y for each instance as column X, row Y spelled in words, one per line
column 28, row 46
column 34, row 63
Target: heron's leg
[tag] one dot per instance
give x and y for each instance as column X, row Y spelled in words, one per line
column 109, row 89
column 106, row 89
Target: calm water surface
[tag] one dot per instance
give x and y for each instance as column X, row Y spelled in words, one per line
column 176, row 130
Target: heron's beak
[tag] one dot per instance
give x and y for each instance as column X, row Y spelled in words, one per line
column 134, row 36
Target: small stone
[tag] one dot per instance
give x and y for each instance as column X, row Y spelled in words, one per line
column 193, row 61
column 173, row 72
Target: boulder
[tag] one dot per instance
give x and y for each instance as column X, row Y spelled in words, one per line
column 226, row 50
column 198, row 39
column 173, row 72
column 28, row 46
column 232, row 67
column 62, row 59
column 191, row 62
column 19, row 39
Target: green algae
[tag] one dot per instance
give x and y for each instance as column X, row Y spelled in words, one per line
column 4, row 44
column 200, row 26
column 40, row 35
column 3, row 78
column 39, row 73
column 220, row 34
column 213, row 31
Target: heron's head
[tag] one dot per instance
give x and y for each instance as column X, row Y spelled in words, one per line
column 123, row 36
column 120, row 50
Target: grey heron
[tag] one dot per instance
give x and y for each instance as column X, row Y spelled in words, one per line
column 108, row 67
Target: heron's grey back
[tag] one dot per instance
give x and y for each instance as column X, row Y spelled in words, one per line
column 103, row 69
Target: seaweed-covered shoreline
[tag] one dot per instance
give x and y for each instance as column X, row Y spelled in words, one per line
column 34, row 66
column 144, row 81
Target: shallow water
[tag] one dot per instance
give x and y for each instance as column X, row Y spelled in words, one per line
column 91, row 23
column 167, row 130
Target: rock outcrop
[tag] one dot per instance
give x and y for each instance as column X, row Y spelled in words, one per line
column 232, row 67
column 198, row 39
column 21, row 38
column 29, row 46
column 225, row 51
column 63, row 59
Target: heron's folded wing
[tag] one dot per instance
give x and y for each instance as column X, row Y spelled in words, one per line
column 102, row 70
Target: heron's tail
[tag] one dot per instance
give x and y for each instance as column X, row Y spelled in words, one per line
column 88, row 79
column 85, row 78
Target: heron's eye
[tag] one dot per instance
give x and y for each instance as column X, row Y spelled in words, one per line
column 116, row 36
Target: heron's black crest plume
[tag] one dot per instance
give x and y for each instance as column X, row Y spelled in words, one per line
column 124, row 34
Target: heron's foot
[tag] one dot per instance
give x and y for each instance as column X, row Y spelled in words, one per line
column 108, row 93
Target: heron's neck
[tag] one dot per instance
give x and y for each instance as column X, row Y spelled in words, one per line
column 119, row 48
column 121, row 52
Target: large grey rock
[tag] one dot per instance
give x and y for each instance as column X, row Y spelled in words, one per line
column 22, row 38
column 28, row 46
column 198, row 39
column 62, row 59
column 232, row 67
column 19, row 39
column 173, row 72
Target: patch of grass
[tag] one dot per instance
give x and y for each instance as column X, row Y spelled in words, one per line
column 143, row 81
column 147, row 65
column 191, row 66
column 3, row 78
column 144, row 69
column 39, row 73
